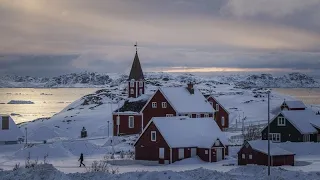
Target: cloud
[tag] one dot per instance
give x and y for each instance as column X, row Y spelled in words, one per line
column 274, row 8
column 234, row 33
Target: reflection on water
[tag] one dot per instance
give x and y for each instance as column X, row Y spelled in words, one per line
column 46, row 101
column 307, row 95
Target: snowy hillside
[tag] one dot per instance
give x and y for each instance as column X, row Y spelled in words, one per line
column 91, row 79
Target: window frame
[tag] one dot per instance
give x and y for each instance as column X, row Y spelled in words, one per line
column 131, row 120
column 164, row 105
column 223, row 121
column 281, row 121
column 131, row 83
column 131, row 91
column 140, row 83
column 154, row 104
column 198, row 115
column 250, row 156
column 155, row 136
column 243, row 156
column 169, row 115
column 206, row 115
column 217, row 107
column 275, row 137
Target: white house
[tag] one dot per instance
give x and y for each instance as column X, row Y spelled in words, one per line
column 9, row 131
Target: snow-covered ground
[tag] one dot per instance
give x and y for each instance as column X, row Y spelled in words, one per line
column 64, row 145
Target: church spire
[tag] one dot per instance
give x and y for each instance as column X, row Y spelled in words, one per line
column 136, row 70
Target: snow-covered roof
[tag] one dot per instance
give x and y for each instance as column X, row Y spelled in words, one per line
column 181, row 131
column 295, row 104
column 220, row 101
column 143, row 97
column 133, row 105
column 185, row 102
column 262, row 146
column 11, row 134
column 302, row 120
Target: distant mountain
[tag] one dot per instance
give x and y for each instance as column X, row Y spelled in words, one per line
column 92, row 79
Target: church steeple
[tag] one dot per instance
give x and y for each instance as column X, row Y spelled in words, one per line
column 136, row 70
column 136, row 78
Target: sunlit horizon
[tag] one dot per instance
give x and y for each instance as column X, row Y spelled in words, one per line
column 180, row 69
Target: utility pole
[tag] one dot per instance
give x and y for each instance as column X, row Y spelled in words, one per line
column 108, row 129
column 268, row 133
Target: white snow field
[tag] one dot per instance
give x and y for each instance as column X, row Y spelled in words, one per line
column 64, row 145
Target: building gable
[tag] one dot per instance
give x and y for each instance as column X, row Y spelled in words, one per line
column 215, row 101
column 149, row 111
column 145, row 136
column 288, row 131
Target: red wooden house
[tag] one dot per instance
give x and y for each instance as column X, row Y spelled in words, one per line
column 256, row 152
column 221, row 113
column 177, row 101
column 292, row 105
column 170, row 139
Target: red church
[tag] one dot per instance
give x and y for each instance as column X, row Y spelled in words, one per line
column 139, row 108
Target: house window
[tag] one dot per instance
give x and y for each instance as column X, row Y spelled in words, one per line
column 243, row 156
column 222, row 121
column 131, row 91
column 118, row 120
column 131, row 121
column 306, row 138
column 206, row 115
column 281, row 121
column 164, row 104
column 190, row 115
column 154, row 104
column 140, row 83
column 5, row 123
column 131, row 83
column 153, row 135
column 217, row 143
column 169, row 115
column 211, row 103
column 198, row 115
column 250, row 156
column 205, row 151
column 275, row 137
column 217, row 107
column 140, row 91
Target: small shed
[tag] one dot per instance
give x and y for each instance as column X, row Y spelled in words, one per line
column 10, row 133
column 256, row 152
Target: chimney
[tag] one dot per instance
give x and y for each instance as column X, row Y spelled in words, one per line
column 190, row 88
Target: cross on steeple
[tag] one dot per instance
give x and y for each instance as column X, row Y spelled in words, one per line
column 136, row 45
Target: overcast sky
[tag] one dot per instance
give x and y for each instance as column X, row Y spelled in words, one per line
column 52, row 37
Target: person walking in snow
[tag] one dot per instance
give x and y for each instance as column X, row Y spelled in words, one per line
column 81, row 160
